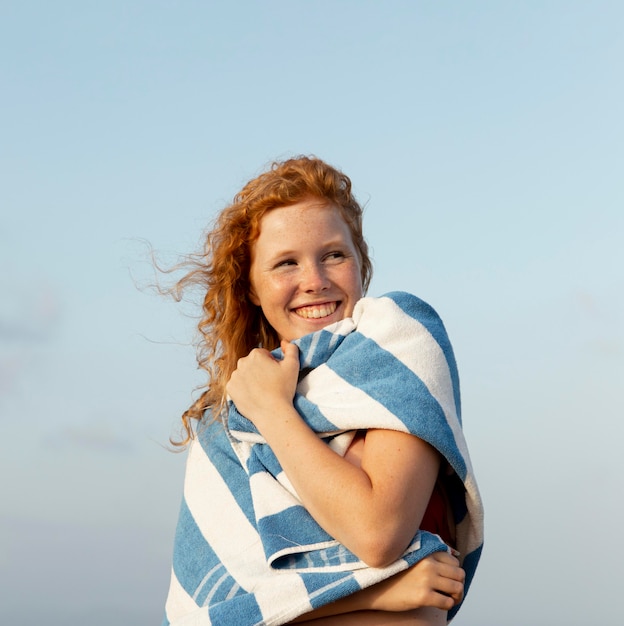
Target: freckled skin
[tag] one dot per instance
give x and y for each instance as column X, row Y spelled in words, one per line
column 305, row 271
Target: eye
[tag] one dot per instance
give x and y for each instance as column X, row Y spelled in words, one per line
column 285, row 263
column 335, row 255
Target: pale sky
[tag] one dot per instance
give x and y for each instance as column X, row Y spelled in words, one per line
column 486, row 141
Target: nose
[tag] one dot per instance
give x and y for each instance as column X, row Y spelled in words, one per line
column 314, row 278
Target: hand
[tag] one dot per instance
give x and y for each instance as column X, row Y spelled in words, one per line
column 261, row 385
column 436, row 581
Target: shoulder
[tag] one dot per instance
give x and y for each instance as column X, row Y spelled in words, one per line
column 399, row 316
column 398, row 305
column 411, row 304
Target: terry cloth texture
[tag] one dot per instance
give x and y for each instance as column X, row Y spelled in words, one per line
column 246, row 551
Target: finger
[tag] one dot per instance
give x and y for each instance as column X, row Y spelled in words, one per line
column 290, row 350
column 440, row 601
column 451, row 588
column 445, row 557
column 450, row 582
column 451, row 571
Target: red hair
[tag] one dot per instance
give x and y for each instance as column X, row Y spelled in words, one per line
column 231, row 326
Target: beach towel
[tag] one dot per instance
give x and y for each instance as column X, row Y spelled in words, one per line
column 246, row 551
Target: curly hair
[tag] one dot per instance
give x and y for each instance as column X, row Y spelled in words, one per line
column 231, row 326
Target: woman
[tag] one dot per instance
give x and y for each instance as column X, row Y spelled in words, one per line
column 280, row 524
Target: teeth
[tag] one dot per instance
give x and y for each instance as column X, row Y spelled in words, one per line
column 316, row 312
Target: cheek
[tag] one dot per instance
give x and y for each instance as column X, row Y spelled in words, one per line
column 271, row 292
column 356, row 282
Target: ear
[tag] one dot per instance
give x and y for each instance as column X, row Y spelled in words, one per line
column 253, row 298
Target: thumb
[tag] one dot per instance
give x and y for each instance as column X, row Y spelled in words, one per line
column 291, row 361
column 291, row 355
column 290, row 351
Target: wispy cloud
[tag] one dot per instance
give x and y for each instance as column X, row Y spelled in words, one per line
column 28, row 314
column 97, row 437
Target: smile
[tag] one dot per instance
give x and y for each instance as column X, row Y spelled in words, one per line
column 317, row 311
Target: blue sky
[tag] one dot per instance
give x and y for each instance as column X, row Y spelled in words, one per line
column 484, row 138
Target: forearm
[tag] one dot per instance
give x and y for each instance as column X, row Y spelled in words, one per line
column 373, row 507
column 359, row 601
column 353, row 505
column 372, row 598
column 337, row 494
column 425, row 591
column 426, row 616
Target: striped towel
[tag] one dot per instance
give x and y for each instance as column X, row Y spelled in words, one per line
column 246, row 551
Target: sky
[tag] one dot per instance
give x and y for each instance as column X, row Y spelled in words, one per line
column 485, row 140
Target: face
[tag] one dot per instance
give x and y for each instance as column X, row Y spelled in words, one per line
column 305, row 270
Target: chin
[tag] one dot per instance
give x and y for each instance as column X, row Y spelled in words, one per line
column 317, row 324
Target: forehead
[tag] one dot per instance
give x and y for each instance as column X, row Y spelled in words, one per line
column 310, row 215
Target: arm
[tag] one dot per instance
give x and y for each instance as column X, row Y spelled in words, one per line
column 374, row 509
column 436, row 581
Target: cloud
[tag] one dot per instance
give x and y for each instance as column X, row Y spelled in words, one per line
column 28, row 315
column 30, row 312
column 97, row 437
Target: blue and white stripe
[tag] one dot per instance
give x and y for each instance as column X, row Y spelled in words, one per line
column 247, row 552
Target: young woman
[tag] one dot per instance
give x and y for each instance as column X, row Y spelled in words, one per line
column 286, row 260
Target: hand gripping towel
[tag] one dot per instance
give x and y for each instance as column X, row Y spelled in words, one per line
column 246, row 551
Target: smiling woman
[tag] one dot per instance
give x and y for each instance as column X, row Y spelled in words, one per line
column 232, row 324
column 305, row 270
column 327, row 445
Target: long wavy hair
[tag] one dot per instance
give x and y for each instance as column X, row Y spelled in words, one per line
column 230, row 325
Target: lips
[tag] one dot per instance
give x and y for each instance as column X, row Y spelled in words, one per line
column 316, row 311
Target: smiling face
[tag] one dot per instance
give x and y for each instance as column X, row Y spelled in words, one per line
column 305, row 271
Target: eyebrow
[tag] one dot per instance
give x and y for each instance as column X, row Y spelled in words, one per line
column 338, row 242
